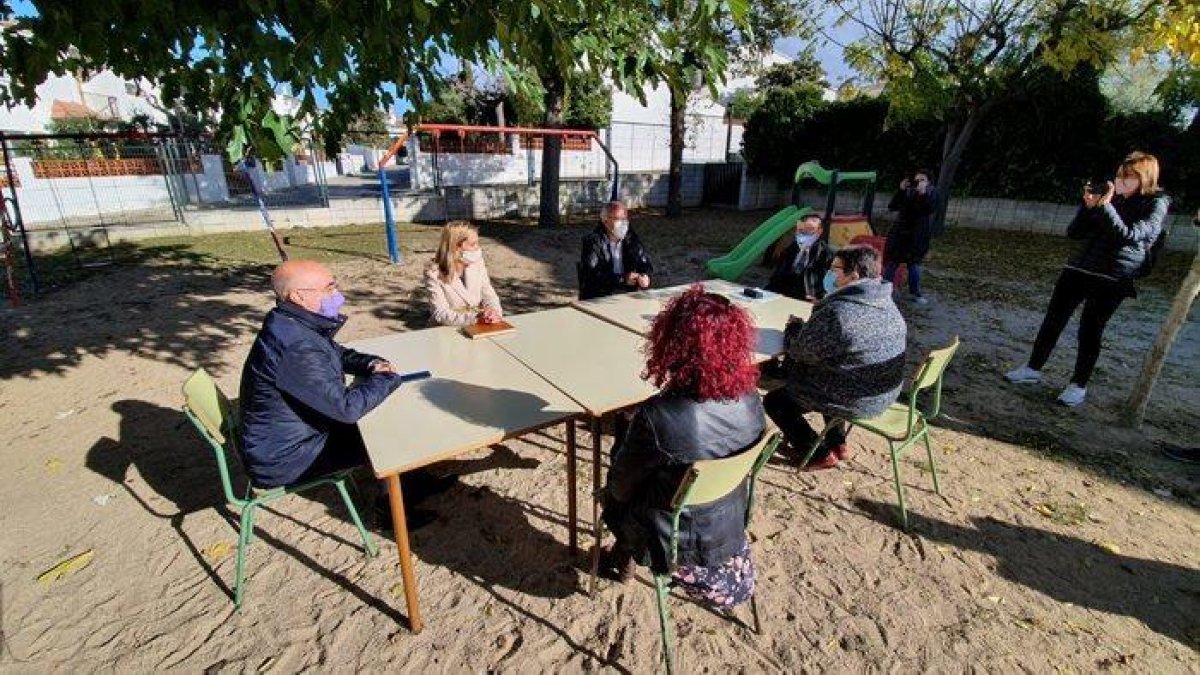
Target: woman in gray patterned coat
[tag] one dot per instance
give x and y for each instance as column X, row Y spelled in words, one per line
column 847, row 360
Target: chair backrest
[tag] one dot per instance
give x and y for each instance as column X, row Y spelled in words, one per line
column 215, row 418
column 930, row 374
column 711, row 479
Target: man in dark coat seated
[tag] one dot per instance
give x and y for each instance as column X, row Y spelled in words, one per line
column 298, row 417
column 802, row 267
column 613, row 259
column 847, row 360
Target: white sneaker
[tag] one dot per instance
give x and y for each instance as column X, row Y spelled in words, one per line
column 920, row 300
column 1072, row 396
column 1024, row 375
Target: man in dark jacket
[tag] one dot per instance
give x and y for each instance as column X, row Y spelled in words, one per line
column 298, row 415
column 847, row 360
column 613, row 259
column 802, row 268
column 908, row 239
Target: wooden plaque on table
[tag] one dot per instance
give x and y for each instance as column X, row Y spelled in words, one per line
column 482, row 330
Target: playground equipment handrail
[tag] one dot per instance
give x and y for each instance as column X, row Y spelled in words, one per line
column 824, row 176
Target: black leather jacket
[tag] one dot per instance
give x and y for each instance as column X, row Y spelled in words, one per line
column 808, row 282
column 293, row 392
column 596, row 278
column 1114, row 238
column 668, row 434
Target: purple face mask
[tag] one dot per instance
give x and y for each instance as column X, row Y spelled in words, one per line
column 330, row 306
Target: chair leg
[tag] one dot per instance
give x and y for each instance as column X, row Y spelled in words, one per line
column 816, row 444
column 598, row 537
column 932, row 462
column 249, row 498
column 362, row 531
column 661, row 590
column 754, row 613
column 899, row 486
column 245, row 534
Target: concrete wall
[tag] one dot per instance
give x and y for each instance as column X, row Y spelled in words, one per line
column 986, row 213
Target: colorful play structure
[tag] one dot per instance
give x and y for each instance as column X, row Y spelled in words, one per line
column 436, row 130
column 775, row 233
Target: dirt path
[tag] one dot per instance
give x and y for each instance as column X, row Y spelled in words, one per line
column 1059, row 542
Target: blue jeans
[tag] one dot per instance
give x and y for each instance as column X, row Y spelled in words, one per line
column 914, row 276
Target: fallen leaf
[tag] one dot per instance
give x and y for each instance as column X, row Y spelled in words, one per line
column 1109, row 547
column 68, row 566
column 993, row 598
column 949, row 449
column 397, row 590
column 64, row 414
column 218, row 551
column 54, row 464
column 102, row 500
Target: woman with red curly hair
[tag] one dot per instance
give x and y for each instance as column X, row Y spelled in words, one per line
column 699, row 356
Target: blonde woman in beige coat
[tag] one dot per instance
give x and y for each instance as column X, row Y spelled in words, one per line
column 460, row 291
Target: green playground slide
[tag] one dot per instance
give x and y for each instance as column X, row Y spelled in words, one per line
column 731, row 266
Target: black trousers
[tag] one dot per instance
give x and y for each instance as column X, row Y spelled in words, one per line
column 343, row 450
column 788, row 415
column 1100, row 298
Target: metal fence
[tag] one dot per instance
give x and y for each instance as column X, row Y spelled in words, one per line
column 71, row 197
column 644, row 146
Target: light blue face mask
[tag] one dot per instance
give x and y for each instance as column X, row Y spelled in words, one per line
column 805, row 240
column 830, row 282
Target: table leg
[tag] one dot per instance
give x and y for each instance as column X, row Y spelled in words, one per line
column 572, row 513
column 595, row 474
column 400, row 527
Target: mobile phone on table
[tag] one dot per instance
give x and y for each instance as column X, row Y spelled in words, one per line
column 415, row 375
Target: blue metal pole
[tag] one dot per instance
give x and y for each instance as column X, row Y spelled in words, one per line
column 388, row 219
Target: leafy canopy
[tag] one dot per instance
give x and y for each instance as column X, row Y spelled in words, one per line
column 233, row 57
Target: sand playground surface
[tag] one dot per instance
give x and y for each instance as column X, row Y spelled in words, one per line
column 1061, row 541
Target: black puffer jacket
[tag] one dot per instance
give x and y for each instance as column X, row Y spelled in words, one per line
column 808, row 282
column 596, row 278
column 293, row 392
column 908, row 238
column 668, row 434
column 1114, row 238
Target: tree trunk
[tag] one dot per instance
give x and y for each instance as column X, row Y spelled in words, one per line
column 958, row 135
column 675, row 177
column 1135, row 408
column 551, row 151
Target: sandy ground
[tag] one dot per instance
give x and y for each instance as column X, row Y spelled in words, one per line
column 1060, row 542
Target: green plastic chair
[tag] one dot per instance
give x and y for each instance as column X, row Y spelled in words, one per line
column 216, row 419
column 904, row 424
column 705, row 481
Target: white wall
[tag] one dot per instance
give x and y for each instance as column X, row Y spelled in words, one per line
column 520, row 166
column 24, row 119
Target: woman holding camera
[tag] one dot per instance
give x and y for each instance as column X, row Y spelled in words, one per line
column 1116, row 226
column 908, row 239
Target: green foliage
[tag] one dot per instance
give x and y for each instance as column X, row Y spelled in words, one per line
column 370, row 129
column 1037, row 146
column 771, row 139
column 232, row 56
column 743, row 102
column 803, row 71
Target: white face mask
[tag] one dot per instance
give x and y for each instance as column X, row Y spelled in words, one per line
column 471, row 257
column 620, row 228
column 805, row 240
